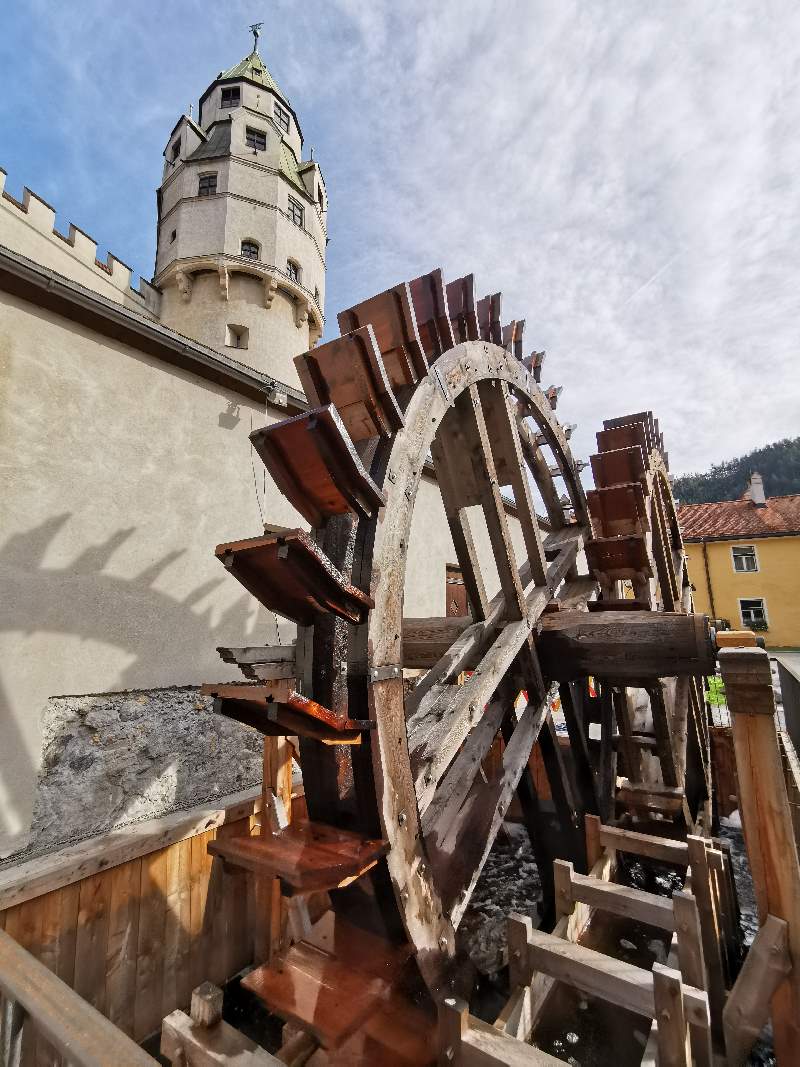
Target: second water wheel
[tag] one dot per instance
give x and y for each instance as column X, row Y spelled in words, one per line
column 397, row 717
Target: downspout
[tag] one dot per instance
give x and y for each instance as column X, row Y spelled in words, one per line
column 708, row 582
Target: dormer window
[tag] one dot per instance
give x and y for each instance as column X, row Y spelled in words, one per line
column 256, row 139
column 282, row 117
column 175, row 151
column 250, row 250
column 293, row 270
column 207, row 185
column 295, row 211
column 231, row 96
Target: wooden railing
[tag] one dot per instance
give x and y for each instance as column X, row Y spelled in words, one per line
column 73, row 1029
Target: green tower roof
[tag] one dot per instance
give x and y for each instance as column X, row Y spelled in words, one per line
column 254, row 69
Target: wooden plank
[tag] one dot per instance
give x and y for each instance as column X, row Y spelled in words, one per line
column 92, row 939
column 701, row 889
column 691, row 960
column 122, row 944
column 663, row 732
column 647, row 797
column 673, row 1033
column 77, row 862
column 603, row 976
column 663, row 849
column 616, row 899
column 184, row 1041
column 177, row 921
column 747, row 1008
column 631, row 753
column 71, row 1025
column 150, row 944
column 501, row 424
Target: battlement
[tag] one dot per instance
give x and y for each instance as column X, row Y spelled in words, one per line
column 28, row 227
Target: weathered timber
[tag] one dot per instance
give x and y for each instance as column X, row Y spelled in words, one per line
column 623, row 644
column 184, row 1041
column 315, row 465
column 433, row 318
column 646, row 797
column 306, row 856
column 292, row 576
column 465, row 1040
column 673, row 1031
column 262, row 663
column 287, row 713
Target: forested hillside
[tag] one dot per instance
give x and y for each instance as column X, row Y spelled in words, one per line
column 778, row 464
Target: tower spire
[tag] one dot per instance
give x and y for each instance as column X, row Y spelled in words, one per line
column 255, row 29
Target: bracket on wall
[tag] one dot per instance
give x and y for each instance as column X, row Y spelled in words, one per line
column 223, row 281
column 270, row 288
column 300, row 312
column 184, row 284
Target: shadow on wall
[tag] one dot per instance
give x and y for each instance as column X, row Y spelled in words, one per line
column 110, row 759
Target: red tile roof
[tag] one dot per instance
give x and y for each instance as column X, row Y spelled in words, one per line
column 740, row 518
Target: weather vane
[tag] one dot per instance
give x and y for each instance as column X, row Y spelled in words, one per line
column 255, row 29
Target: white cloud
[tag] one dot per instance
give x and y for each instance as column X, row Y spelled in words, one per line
column 624, row 173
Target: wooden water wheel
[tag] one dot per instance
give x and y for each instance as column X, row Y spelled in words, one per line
column 404, row 801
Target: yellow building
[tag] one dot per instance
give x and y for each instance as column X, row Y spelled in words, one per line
column 744, row 562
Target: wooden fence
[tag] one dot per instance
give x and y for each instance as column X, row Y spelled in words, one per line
column 135, row 919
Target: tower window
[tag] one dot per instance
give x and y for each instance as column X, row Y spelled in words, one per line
column 282, row 117
column 255, row 138
column 250, row 250
column 295, row 211
column 231, row 96
column 293, row 270
column 176, row 150
column 207, row 185
column 236, row 336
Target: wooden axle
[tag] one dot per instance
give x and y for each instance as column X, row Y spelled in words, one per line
column 574, row 644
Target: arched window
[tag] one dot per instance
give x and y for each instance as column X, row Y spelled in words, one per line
column 250, row 249
column 293, row 270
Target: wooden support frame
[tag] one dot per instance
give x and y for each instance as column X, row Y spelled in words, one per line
column 204, row 1039
column 747, row 1009
column 630, row 903
column 767, row 820
column 465, row 1041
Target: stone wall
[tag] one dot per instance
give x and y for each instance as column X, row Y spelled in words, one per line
column 117, row 758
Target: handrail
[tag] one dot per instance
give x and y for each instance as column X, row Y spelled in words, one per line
column 68, row 1022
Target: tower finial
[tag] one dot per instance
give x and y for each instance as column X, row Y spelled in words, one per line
column 255, row 29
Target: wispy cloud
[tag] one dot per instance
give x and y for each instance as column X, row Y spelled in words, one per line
column 625, row 173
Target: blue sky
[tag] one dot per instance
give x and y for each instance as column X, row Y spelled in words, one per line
column 626, row 173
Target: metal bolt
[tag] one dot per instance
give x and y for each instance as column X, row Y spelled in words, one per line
column 404, row 895
column 449, row 1053
column 422, row 868
column 443, row 942
column 402, row 818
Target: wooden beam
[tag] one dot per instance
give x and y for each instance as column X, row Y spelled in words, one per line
column 467, row 1042
column 610, row 979
column 64, row 1019
column 701, row 888
column 624, row 644
column 746, row 1011
column 767, row 819
column 646, row 797
column 184, row 1041
column 673, row 1033
column 34, row 878
column 616, row 899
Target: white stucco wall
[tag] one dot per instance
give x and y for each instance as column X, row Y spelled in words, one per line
column 118, row 475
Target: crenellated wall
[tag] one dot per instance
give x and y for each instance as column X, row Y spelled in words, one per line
column 27, row 227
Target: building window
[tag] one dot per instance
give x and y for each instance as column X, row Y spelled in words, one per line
column 172, row 236
column 236, row 336
column 293, row 270
column 231, row 96
column 255, row 138
column 295, row 211
column 176, row 150
column 282, row 117
column 207, row 185
column 250, row 250
column 754, row 614
column 744, row 558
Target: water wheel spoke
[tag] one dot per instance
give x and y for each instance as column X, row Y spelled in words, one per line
column 458, row 855
column 501, row 424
